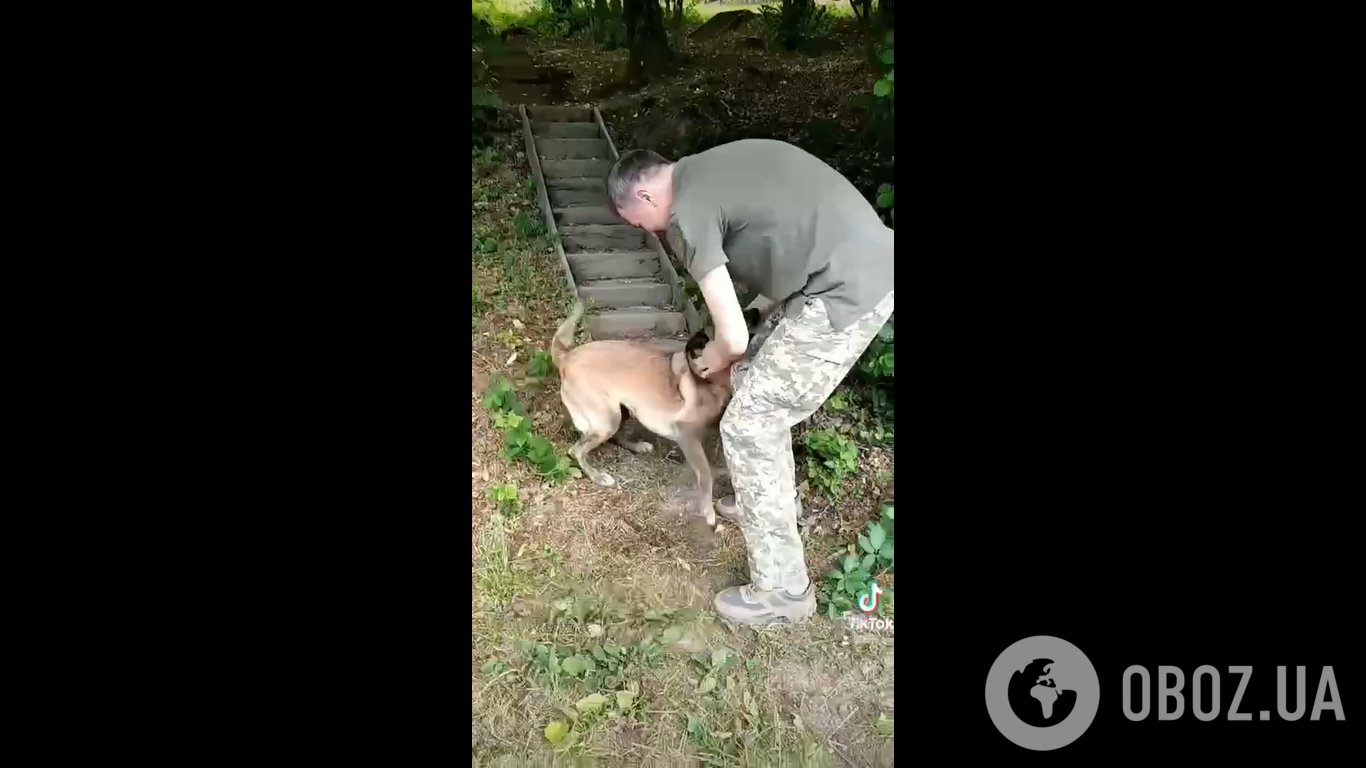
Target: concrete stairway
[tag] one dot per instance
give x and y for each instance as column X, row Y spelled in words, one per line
column 629, row 288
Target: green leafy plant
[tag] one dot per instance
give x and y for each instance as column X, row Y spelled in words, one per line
column 830, row 457
column 879, row 359
column 860, row 566
column 885, row 87
column 507, row 415
column 526, row 226
column 795, row 22
column 541, row 364
column 504, row 496
column 484, row 106
column 500, row 397
column 484, row 245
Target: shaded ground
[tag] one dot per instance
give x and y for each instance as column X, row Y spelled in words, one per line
column 728, row 89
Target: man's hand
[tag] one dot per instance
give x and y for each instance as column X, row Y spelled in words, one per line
column 714, row 358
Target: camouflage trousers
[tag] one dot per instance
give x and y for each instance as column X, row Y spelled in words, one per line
column 793, row 373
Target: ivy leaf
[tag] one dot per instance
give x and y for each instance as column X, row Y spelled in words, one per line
column 868, row 560
column 708, row 683
column 876, row 536
column 718, row 657
column 672, row 634
column 850, row 562
column 889, row 56
column 882, row 88
column 888, row 552
column 576, row 665
column 591, row 702
column 855, row 586
column 834, row 574
column 865, row 544
column 624, row 699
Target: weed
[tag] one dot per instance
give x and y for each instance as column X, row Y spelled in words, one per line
column 879, row 359
column 830, row 458
column 541, row 364
column 504, row 496
column 526, row 226
column 507, row 416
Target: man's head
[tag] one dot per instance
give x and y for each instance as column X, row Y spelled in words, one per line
column 641, row 187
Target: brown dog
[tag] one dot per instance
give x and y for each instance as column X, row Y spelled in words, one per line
column 601, row 380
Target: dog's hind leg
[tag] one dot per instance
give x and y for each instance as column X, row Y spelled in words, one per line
column 597, row 423
column 630, row 445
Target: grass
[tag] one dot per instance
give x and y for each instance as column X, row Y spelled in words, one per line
column 593, row 637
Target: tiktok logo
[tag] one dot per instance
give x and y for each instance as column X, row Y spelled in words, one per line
column 863, row 604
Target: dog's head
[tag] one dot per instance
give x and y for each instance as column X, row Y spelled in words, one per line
column 699, row 341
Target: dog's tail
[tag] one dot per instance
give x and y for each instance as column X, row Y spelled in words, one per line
column 564, row 336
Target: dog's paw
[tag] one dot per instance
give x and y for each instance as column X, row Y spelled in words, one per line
column 709, row 514
column 605, row 480
column 644, row 447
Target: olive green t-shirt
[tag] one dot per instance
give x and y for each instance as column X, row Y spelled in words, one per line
column 784, row 223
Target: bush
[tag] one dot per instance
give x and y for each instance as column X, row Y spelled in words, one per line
column 879, row 359
column 795, row 22
column 484, row 106
column 830, row 457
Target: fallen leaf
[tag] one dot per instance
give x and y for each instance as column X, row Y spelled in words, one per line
column 555, row 732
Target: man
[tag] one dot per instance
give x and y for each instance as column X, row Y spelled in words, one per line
column 793, row 229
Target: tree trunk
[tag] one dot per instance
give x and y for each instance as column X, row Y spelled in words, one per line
column 860, row 8
column 645, row 38
column 678, row 12
column 885, row 7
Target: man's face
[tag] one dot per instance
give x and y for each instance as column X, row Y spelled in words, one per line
column 646, row 210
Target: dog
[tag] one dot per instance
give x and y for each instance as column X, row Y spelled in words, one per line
column 602, row 380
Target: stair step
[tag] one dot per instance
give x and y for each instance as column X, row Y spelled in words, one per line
column 586, row 214
column 608, row 266
column 573, row 149
column 623, row 294
column 670, row 344
column 602, row 237
column 561, row 114
column 561, row 198
column 596, row 184
column 624, row 325
column 563, row 169
column 565, row 130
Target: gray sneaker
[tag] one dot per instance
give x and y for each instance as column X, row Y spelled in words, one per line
column 727, row 508
column 762, row 607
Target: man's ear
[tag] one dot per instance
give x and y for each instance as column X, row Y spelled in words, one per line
column 644, row 196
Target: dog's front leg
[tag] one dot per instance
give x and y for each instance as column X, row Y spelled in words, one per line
column 696, row 455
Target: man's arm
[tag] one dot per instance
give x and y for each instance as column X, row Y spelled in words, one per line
column 732, row 335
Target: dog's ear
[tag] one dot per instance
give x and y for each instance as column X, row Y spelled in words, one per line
column 695, row 344
column 752, row 319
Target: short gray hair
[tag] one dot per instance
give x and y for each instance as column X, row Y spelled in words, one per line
column 629, row 170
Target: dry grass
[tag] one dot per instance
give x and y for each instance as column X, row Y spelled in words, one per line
column 579, row 569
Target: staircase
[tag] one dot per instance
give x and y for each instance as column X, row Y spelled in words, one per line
column 629, row 287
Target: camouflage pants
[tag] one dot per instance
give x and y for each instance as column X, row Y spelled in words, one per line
column 793, row 373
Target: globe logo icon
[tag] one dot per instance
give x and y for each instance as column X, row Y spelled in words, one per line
column 1042, row 693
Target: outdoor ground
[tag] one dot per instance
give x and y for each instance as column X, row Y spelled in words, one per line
column 593, row 635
